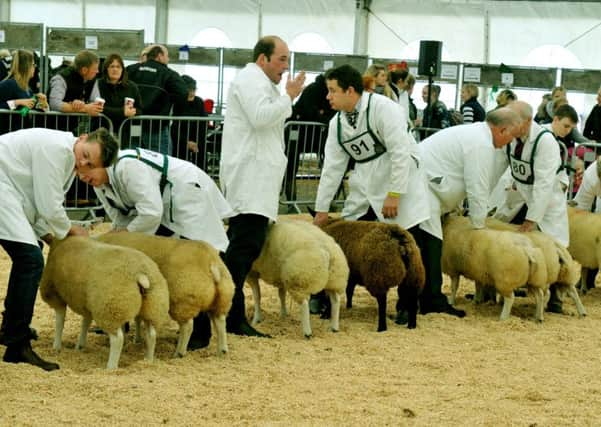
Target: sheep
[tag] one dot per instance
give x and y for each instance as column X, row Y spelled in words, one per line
column 504, row 260
column 585, row 241
column 197, row 279
column 108, row 284
column 562, row 269
column 380, row 256
column 297, row 257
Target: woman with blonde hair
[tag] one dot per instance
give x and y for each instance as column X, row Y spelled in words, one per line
column 379, row 73
column 14, row 90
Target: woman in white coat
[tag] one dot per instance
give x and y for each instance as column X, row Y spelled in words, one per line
column 387, row 183
column 37, row 167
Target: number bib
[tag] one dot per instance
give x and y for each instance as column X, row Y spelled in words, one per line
column 523, row 170
column 363, row 147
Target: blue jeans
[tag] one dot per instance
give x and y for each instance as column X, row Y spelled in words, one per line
column 159, row 141
column 23, row 282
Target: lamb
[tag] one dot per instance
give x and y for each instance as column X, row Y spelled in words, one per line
column 585, row 240
column 108, row 284
column 562, row 269
column 197, row 279
column 299, row 258
column 502, row 259
column 380, row 256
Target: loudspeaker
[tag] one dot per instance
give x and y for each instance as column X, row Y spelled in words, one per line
column 429, row 58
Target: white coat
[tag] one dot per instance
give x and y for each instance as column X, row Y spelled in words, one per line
column 459, row 162
column 394, row 171
column 253, row 162
column 36, row 170
column 589, row 189
column 191, row 205
column 546, row 197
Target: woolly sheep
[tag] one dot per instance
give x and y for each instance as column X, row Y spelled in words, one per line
column 380, row 256
column 585, row 241
column 299, row 258
column 108, row 284
column 504, row 260
column 197, row 279
column 562, row 269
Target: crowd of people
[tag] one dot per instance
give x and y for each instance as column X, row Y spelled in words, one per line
column 503, row 161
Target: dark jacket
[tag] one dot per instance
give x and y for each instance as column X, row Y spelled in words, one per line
column 76, row 87
column 592, row 127
column 114, row 97
column 183, row 131
column 472, row 111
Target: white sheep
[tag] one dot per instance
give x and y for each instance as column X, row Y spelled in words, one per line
column 562, row 269
column 585, row 241
column 505, row 260
column 197, row 278
column 299, row 258
column 108, row 284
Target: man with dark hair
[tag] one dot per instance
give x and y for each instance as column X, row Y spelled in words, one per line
column 435, row 114
column 160, row 87
column 253, row 162
column 36, row 167
column 74, row 89
column 592, row 127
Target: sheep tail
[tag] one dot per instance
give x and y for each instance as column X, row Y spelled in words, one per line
column 143, row 282
column 564, row 255
column 215, row 272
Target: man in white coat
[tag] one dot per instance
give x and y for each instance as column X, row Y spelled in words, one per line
column 153, row 193
column 37, row 167
column 387, row 183
column 253, row 162
column 537, row 197
column 462, row 162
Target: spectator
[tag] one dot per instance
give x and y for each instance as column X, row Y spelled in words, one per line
column 189, row 136
column 122, row 97
column 471, row 110
column 541, row 112
column 378, row 72
column 435, row 115
column 505, row 97
column 558, row 96
column 592, row 127
column 5, row 60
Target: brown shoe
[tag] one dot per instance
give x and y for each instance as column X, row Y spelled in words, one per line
column 23, row 353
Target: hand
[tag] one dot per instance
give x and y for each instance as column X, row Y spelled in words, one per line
column 320, row 218
column 26, row 102
column 193, row 146
column 128, row 110
column 42, row 101
column 391, row 207
column 76, row 230
column 47, row 238
column 295, row 87
column 527, row 226
column 77, row 105
column 93, row 108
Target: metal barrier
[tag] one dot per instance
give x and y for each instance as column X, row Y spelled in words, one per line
column 80, row 200
column 420, row 133
column 589, row 154
column 196, row 139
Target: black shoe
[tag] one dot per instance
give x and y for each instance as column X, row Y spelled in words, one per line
column 244, row 329
column 23, row 353
column 554, row 307
column 445, row 308
column 198, row 343
column 402, row 317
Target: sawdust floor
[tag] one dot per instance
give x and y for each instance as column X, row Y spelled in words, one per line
column 474, row 371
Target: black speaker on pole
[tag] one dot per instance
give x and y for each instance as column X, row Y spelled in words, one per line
column 429, row 58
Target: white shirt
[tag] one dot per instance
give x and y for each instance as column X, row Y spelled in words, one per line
column 36, row 170
column 589, row 189
column 253, row 162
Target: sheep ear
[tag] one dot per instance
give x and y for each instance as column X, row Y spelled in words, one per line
column 311, row 211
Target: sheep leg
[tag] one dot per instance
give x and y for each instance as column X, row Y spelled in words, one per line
column 381, row 312
column 150, row 336
column 86, row 321
column 539, row 296
column 282, row 295
column 304, row 315
column 574, row 295
column 116, row 345
column 218, row 324
column 253, row 281
column 138, row 336
column 185, row 332
column 583, row 278
column 335, row 314
column 454, row 287
column 507, row 304
column 59, row 325
column 479, row 294
column 350, row 290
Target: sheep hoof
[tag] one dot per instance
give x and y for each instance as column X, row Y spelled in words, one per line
column 334, row 330
column 178, row 354
column 308, row 336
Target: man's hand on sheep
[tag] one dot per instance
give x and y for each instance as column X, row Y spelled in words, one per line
column 76, row 230
column 527, row 225
column 390, row 207
column 320, row 218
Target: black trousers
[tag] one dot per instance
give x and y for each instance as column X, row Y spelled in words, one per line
column 26, row 271
column 247, row 233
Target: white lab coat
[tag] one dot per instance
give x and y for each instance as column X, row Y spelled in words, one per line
column 546, row 197
column 253, row 162
column 459, row 162
column 394, row 171
column 589, row 189
column 36, row 170
column 191, row 205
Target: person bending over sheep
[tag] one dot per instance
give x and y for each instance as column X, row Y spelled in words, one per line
column 158, row 194
column 387, row 183
column 37, row 166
